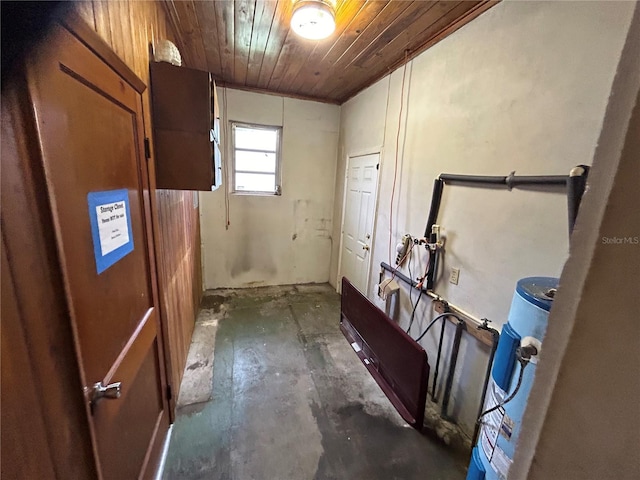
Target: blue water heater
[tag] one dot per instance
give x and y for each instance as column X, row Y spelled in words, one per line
column 527, row 323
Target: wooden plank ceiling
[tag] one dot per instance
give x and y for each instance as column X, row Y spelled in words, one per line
column 249, row 44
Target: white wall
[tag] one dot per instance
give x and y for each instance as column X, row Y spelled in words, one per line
column 276, row 240
column 523, row 87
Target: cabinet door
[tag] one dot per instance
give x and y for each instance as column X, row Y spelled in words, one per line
column 182, row 124
column 183, row 160
column 181, row 98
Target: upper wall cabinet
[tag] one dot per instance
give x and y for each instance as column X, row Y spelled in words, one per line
column 186, row 128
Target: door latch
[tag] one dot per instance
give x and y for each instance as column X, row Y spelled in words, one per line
column 111, row 391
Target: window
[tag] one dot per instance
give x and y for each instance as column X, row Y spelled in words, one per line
column 256, row 159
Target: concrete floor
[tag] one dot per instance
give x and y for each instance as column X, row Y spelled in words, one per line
column 290, row 400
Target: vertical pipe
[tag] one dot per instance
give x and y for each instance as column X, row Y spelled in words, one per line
column 452, row 367
column 436, row 197
column 433, row 263
column 435, row 373
column 494, row 345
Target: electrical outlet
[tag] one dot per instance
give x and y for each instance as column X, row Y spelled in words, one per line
column 454, row 276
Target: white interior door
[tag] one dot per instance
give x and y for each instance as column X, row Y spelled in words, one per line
column 359, row 211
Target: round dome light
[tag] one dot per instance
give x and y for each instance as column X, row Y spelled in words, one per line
column 313, row 19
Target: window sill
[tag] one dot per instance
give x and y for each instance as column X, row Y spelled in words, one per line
column 256, row 194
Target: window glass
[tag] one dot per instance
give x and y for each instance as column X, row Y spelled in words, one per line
column 256, row 158
column 256, row 139
column 255, row 161
column 255, row 182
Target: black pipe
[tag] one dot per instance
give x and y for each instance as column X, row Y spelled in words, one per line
column 460, row 326
column 434, row 255
column 576, row 186
column 481, row 179
column 398, row 274
column 433, row 262
column 510, row 181
column 494, row 345
column 436, row 198
column 435, row 373
column 514, row 181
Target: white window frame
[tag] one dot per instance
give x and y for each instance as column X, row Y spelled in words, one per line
column 278, row 178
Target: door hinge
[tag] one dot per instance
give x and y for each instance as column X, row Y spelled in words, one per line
column 377, row 166
column 147, row 149
column 169, row 393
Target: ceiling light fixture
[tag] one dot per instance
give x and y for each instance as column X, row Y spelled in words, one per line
column 313, row 19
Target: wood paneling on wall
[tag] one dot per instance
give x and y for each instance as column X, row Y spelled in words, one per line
column 20, row 399
column 180, row 269
column 129, row 27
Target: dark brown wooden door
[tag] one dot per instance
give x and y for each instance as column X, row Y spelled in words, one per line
column 89, row 120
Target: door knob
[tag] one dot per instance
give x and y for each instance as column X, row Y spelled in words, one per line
column 365, row 247
column 111, row 391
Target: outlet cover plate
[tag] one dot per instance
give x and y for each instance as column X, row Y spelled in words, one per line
column 454, row 275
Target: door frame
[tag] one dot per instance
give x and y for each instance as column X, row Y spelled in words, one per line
column 359, row 153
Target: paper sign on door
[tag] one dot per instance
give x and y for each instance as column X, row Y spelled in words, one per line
column 110, row 226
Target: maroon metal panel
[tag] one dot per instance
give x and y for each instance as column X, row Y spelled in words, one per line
column 396, row 361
